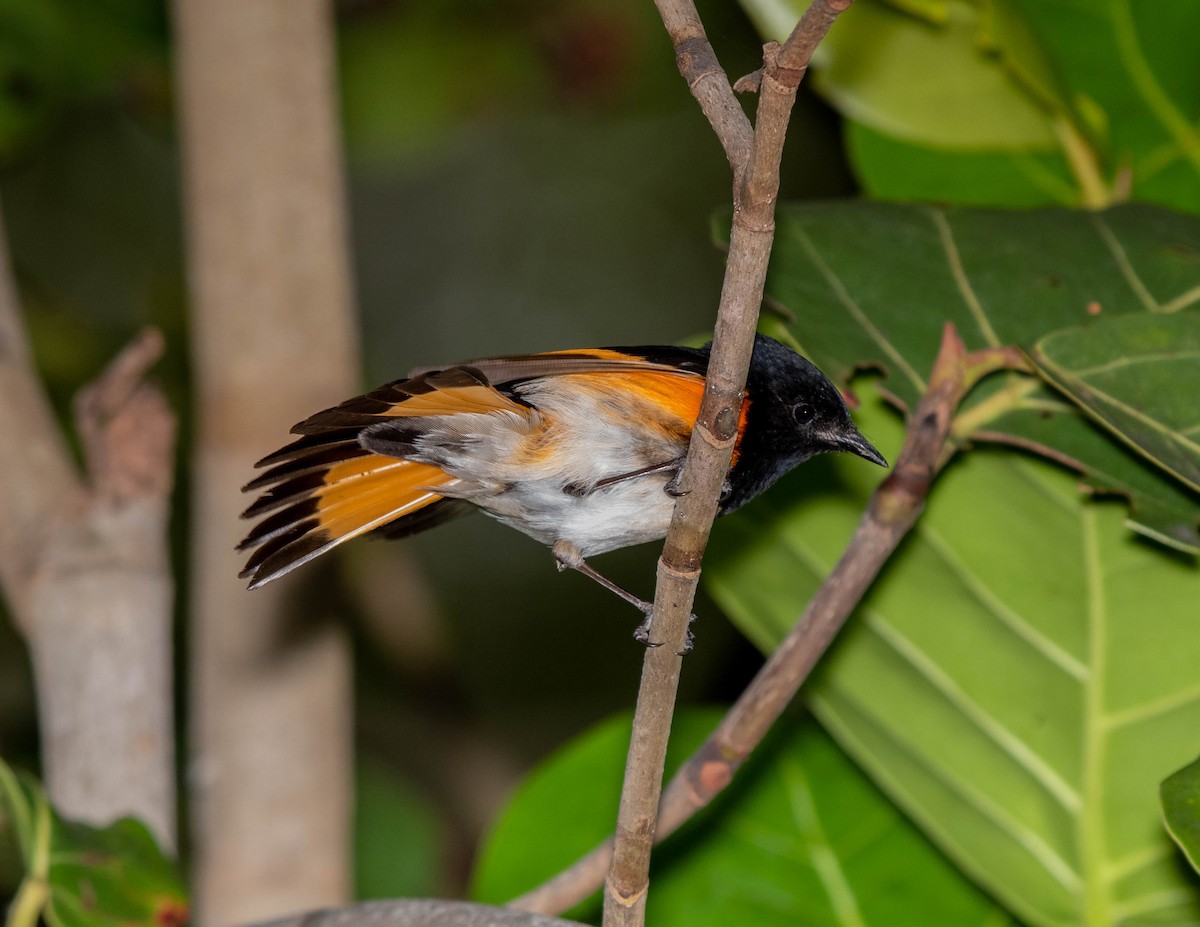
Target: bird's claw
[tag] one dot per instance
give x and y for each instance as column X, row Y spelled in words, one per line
column 642, row 636
column 673, row 489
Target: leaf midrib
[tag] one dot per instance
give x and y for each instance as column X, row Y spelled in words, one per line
column 1097, row 900
column 821, row 854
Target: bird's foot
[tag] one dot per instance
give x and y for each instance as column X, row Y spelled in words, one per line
column 569, row 557
column 642, row 635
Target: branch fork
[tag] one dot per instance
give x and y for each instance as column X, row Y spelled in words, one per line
column 754, row 155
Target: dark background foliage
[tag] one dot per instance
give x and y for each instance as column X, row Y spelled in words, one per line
column 552, row 193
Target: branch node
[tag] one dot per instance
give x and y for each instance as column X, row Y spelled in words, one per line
column 781, row 78
column 127, row 429
column 683, row 574
column 762, row 224
column 749, row 83
column 627, row 900
column 713, row 776
column 726, row 425
column 696, row 60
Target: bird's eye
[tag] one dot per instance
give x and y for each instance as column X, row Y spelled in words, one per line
column 803, row 414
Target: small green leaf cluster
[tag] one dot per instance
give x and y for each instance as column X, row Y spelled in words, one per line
column 82, row 876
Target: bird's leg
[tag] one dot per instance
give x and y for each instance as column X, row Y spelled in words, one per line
column 569, row 558
column 582, row 489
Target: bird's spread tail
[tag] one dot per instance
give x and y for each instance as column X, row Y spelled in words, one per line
column 325, row 489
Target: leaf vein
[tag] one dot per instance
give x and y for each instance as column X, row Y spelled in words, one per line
column 961, row 280
column 1120, row 363
column 821, row 854
column 1117, row 250
column 1140, row 859
column 856, row 311
column 1152, row 709
column 1012, row 745
column 1016, row 623
column 1032, row 842
column 1156, row 99
column 1097, row 902
column 1183, row 300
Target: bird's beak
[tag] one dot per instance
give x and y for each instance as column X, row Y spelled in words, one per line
column 855, row 443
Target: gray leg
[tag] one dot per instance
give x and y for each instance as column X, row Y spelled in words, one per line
column 569, row 557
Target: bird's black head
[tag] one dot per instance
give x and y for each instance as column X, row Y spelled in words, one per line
column 794, row 414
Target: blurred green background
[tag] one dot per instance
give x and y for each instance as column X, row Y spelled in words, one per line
column 554, row 194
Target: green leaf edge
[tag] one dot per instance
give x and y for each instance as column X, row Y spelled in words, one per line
column 1064, row 383
column 1181, row 810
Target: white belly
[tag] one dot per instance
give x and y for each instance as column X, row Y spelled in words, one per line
column 615, row 516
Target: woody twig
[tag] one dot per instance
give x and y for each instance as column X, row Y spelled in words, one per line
column 754, row 156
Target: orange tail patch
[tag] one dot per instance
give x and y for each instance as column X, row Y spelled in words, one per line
column 324, row 490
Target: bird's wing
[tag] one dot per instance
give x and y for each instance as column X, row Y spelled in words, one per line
column 653, row 361
column 326, row 488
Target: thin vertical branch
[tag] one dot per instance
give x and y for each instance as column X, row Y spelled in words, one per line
column 273, row 337
column 755, row 193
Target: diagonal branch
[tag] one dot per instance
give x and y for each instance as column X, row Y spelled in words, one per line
column 755, row 192
column 706, row 79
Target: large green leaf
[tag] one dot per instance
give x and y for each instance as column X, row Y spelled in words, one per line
column 875, row 66
column 1139, row 376
column 800, row 838
column 1133, row 71
column 1020, row 678
column 1117, row 83
column 872, row 284
column 83, row 876
column 893, row 169
column 1181, row 809
column 399, row 839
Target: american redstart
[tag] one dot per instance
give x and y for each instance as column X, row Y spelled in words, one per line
column 580, row 450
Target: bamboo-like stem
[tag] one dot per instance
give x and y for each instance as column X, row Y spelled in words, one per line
column 755, row 193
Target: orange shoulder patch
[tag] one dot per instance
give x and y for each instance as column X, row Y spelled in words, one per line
column 666, row 399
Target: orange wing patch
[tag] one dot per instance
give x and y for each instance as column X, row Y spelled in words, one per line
column 325, row 488
column 597, row 354
column 475, row 398
column 667, row 400
column 319, row 509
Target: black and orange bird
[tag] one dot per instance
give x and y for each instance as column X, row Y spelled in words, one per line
column 580, row 450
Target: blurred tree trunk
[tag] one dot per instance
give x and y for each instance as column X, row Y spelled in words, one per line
column 83, row 565
column 272, row 337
